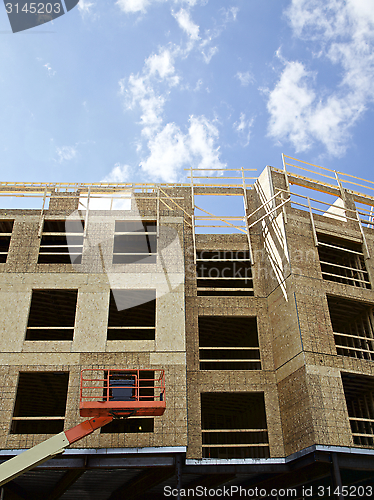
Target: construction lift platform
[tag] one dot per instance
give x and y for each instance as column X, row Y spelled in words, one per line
column 104, row 395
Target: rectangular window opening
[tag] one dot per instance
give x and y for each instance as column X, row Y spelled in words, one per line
column 6, row 228
column 220, row 214
column 132, row 315
column 228, row 343
column 135, row 242
column 224, row 273
column 353, row 325
column 52, row 315
column 40, row 403
column 61, row 242
column 342, row 261
column 234, row 425
column 359, row 396
column 129, row 426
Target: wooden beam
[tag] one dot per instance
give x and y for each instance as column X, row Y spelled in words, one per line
column 69, row 478
column 211, row 481
column 12, row 491
column 142, row 483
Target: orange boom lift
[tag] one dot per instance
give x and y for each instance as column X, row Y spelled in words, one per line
column 104, row 395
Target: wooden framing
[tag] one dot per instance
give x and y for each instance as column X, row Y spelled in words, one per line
column 6, row 229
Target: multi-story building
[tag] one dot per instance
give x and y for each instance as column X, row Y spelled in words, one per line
column 260, row 316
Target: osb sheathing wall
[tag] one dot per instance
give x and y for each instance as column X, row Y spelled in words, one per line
column 301, row 372
column 93, row 279
column 308, row 370
column 229, row 381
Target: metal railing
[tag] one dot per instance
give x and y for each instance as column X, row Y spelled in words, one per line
column 105, row 385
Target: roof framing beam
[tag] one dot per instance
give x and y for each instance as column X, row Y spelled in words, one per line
column 69, row 478
column 142, row 483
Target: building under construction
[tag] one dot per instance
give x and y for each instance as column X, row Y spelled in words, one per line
column 251, row 292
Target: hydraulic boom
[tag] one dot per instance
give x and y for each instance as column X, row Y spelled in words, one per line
column 48, row 449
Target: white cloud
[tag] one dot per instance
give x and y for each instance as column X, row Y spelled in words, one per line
column 170, row 149
column 152, row 110
column 144, row 90
column 85, row 7
column 243, row 128
column 208, row 54
column 131, row 6
column 230, row 14
column 50, row 70
column 289, row 105
column 297, row 114
column 168, row 152
column 186, row 24
column 119, row 173
column 198, row 85
column 148, row 91
column 245, row 78
column 241, row 124
column 66, row 153
column 202, row 137
column 344, row 33
column 163, row 64
column 48, row 67
column 195, row 40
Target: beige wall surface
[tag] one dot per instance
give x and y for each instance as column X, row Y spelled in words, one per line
column 93, row 279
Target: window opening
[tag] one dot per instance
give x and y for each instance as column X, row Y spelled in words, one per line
column 129, row 426
column 40, row 403
column 224, row 272
column 6, row 228
column 359, row 396
column 342, row 261
column 132, row 315
column 123, row 386
column 60, row 244
column 234, row 425
column 228, row 343
column 135, row 242
column 52, row 315
column 353, row 326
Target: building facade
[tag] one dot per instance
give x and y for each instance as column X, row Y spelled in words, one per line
column 262, row 321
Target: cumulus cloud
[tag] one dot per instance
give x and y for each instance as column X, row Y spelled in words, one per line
column 245, row 78
column 202, row 136
column 163, row 65
column 186, row 24
column 168, row 152
column 119, row 173
column 168, row 147
column 171, row 149
column 143, row 89
column 343, row 30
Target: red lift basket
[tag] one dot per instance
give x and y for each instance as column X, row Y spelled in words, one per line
column 122, row 393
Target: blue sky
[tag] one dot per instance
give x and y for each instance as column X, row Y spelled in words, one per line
column 138, row 90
